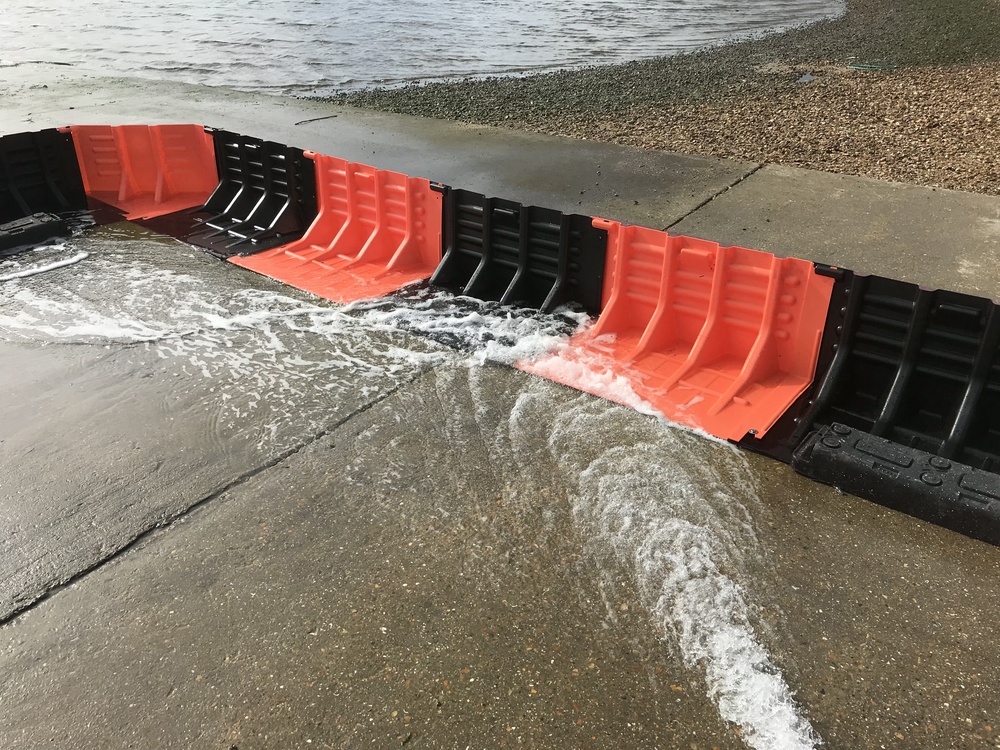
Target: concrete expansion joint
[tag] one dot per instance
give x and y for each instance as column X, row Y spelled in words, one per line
column 715, row 195
column 201, row 503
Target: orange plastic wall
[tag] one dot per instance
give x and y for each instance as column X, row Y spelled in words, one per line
column 723, row 339
column 376, row 231
column 146, row 170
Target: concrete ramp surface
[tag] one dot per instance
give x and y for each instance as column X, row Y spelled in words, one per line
column 289, row 522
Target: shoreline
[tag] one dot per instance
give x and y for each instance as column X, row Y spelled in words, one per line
column 928, row 121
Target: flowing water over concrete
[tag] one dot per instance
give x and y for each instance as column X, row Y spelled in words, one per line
column 322, row 46
column 244, row 373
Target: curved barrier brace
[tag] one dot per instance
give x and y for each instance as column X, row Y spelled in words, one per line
column 723, row 339
column 146, row 170
column 376, row 232
column 501, row 251
column 39, row 174
column 916, row 482
column 266, row 196
column 916, row 366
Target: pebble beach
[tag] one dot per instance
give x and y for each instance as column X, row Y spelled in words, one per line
column 904, row 91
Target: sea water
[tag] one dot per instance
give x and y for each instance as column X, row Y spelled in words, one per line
column 318, row 47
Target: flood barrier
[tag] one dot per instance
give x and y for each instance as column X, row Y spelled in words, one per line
column 265, row 197
column 920, row 367
column 501, row 251
column 795, row 422
column 723, row 339
column 39, row 173
column 146, row 170
column 376, row 231
column 879, row 387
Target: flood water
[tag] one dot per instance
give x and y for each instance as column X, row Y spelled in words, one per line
column 249, row 368
column 316, row 47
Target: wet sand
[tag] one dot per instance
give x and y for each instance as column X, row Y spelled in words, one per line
column 926, row 114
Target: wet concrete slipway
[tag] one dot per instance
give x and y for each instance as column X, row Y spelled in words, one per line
column 236, row 516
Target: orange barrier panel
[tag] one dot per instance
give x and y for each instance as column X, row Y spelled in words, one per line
column 146, row 170
column 723, row 339
column 376, row 232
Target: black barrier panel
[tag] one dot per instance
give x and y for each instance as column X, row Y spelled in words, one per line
column 39, row 173
column 31, row 231
column 916, row 482
column 266, row 197
column 916, row 366
column 501, row 251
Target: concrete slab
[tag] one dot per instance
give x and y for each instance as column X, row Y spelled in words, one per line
column 403, row 581
column 937, row 238
column 641, row 187
column 477, row 560
column 147, row 378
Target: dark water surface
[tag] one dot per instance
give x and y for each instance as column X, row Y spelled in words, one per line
column 323, row 46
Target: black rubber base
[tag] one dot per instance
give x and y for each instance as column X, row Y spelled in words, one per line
column 31, row 231
column 916, row 482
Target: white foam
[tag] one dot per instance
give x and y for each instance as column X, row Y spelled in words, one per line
column 682, row 528
column 592, row 372
column 34, row 271
column 291, row 357
column 486, row 331
column 35, row 315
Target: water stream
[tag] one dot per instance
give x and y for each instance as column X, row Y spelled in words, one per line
column 679, row 527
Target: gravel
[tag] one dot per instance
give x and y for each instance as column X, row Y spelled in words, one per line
column 924, row 109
